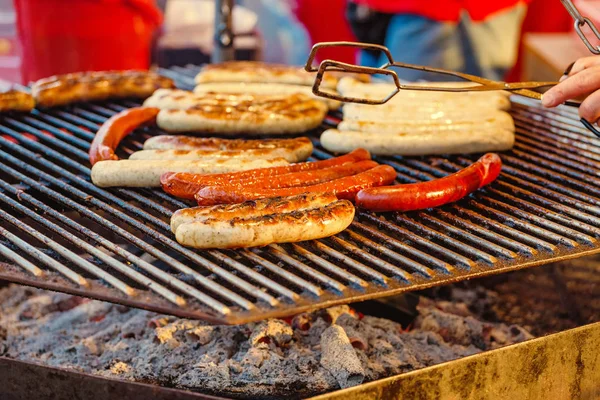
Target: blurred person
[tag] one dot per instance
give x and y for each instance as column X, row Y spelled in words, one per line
column 472, row 36
column 581, row 78
column 285, row 39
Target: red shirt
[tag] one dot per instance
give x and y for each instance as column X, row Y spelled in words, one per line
column 442, row 10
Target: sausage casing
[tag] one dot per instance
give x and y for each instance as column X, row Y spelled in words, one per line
column 434, row 193
column 90, row 86
column 256, row 208
column 147, row 173
column 188, row 188
column 14, row 100
column 343, row 188
column 262, row 230
column 115, row 129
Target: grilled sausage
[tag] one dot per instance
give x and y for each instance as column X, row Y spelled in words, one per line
column 262, row 89
column 434, row 193
column 420, row 115
column 188, row 188
column 146, row 173
column 90, row 86
column 409, row 98
column 343, row 188
column 289, row 227
column 254, row 208
column 252, row 154
column 253, row 71
column 179, row 183
column 460, row 142
column 494, row 122
column 115, row 129
column 294, row 113
column 14, row 100
column 302, row 146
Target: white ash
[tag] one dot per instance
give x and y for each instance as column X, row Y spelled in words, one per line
column 267, row 359
column 339, row 357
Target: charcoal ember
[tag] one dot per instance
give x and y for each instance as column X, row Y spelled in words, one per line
column 135, row 327
column 339, row 357
column 429, row 348
column 3, row 339
column 302, row 322
column 271, row 331
column 453, row 328
column 142, row 346
column 200, row 334
column 174, row 333
column 500, row 335
column 332, row 314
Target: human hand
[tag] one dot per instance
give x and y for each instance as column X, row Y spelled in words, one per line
column 582, row 79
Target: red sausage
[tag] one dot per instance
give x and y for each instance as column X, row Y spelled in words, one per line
column 180, row 184
column 116, row 128
column 304, row 178
column 417, row 196
column 343, row 188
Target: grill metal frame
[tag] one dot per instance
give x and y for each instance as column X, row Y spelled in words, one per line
column 544, row 208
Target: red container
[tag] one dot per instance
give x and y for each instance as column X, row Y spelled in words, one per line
column 62, row 36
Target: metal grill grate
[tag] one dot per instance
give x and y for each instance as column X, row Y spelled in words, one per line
column 61, row 232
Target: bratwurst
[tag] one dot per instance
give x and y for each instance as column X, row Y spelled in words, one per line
column 91, row 86
column 257, row 208
column 417, row 196
column 15, row 100
column 147, row 173
column 294, row 226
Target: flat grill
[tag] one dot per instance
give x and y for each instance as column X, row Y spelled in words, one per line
column 61, row 232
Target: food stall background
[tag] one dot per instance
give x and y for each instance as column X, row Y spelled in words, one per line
column 44, row 37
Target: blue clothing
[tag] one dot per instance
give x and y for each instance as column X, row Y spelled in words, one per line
column 486, row 49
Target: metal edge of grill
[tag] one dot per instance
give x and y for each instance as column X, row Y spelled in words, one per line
column 60, row 229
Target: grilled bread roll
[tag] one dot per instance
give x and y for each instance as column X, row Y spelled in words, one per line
column 90, row 86
column 262, row 88
column 302, row 147
column 289, row 114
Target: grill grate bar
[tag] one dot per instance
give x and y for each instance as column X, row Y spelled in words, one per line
column 545, row 207
column 26, row 265
column 68, row 254
column 133, row 239
column 43, row 258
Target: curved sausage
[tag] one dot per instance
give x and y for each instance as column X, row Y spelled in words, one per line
column 115, row 129
column 187, row 190
column 257, row 208
column 434, row 193
column 174, row 183
column 343, row 188
column 295, row 226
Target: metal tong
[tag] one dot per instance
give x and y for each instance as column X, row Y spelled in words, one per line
column 483, row 84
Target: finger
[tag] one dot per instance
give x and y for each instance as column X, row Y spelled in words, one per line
column 583, row 83
column 583, row 64
column 590, row 108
